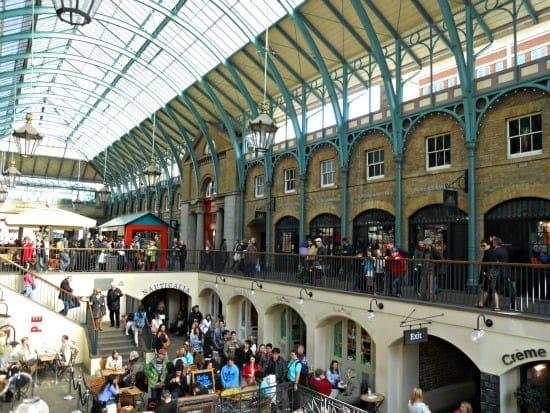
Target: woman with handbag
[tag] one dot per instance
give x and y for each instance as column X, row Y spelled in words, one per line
column 162, row 341
column 97, row 301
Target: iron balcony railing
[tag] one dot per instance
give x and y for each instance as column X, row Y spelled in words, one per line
column 525, row 286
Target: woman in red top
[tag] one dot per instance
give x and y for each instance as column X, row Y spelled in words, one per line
column 320, row 383
column 249, row 369
column 26, row 257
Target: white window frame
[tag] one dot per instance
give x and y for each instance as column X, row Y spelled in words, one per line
column 290, row 180
column 376, row 164
column 524, row 127
column 167, row 203
column 209, row 191
column 438, row 151
column 259, row 186
column 327, row 173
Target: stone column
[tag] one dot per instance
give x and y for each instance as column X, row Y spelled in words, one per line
column 490, row 393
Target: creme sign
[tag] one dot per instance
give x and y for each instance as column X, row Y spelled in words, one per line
column 419, row 335
column 518, row 356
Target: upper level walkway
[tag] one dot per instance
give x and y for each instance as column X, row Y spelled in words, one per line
column 524, row 288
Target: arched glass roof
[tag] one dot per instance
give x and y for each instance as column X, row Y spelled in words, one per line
column 87, row 86
column 199, row 67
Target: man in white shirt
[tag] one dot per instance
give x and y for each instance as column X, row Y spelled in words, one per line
column 114, row 361
column 67, row 352
column 25, row 355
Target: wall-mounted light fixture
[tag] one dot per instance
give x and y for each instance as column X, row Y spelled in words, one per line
column 252, row 291
column 307, row 292
column 219, row 277
column 372, row 315
column 5, row 314
column 12, row 340
column 478, row 333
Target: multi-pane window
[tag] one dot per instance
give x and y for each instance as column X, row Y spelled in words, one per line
column 375, row 164
column 259, row 186
column 438, row 86
column 327, row 173
column 438, row 151
column 499, row 66
column 290, row 180
column 539, row 53
column 525, row 135
column 483, row 71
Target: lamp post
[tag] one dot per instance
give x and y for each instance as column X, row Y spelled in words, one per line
column 3, row 193
column 152, row 172
column 76, row 12
column 104, row 195
column 263, row 130
column 11, row 175
column 27, row 137
column 77, row 203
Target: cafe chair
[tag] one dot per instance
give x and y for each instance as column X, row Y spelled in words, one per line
column 102, row 363
column 64, row 369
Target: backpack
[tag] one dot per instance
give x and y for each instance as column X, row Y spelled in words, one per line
column 138, row 320
column 304, row 373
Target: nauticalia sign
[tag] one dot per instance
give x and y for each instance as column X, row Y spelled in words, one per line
column 162, row 286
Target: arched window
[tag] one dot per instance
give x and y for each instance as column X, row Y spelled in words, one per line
column 209, row 189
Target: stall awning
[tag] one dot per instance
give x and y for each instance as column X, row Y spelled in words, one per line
column 49, row 217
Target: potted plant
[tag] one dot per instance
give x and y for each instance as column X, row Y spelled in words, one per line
column 531, row 398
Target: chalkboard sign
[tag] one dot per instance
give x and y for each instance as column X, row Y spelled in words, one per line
column 204, row 377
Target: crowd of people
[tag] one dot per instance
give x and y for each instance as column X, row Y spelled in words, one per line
column 92, row 253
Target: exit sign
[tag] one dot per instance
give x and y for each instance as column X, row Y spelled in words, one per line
column 419, row 335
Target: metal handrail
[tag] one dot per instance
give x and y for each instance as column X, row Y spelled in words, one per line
column 456, row 283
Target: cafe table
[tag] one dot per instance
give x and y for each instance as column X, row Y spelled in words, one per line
column 133, row 392
column 108, row 372
column 373, row 401
column 46, row 361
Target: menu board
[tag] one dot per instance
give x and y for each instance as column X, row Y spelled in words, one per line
column 204, row 377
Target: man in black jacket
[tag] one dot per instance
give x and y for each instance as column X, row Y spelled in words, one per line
column 113, row 303
column 67, row 299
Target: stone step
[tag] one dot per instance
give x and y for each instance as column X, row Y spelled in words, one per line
column 111, row 339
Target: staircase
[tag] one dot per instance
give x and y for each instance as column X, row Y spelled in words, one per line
column 113, row 339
